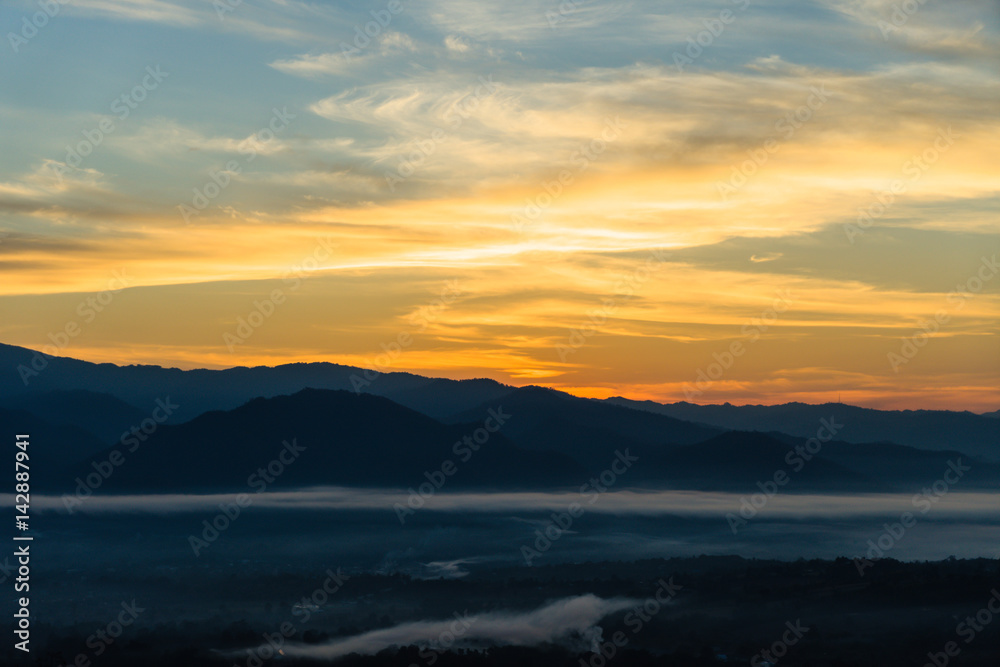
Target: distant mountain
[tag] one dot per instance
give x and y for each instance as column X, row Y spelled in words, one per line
column 973, row 434
column 349, row 439
column 403, row 425
column 199, row 391
column 907, row 469
column 738, row 460
column 368, row 441
column 102, row 415
column 53, row 445
column 590, row 431
column 441, row 398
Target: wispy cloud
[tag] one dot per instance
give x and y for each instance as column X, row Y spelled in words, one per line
column 566, row 621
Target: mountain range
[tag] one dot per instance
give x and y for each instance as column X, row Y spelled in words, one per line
column 208, row 430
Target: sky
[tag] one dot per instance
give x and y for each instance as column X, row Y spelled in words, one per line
column 735, row 200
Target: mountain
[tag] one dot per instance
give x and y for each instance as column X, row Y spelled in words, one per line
column 52, row 447
column 339, row 438
column 901, row 468
column 590, row 431
column 102, row 415
column 977, row 435
column 738, row 460
column 442, row 398
column 24, row 372
column 347, row 439
column 224, row 424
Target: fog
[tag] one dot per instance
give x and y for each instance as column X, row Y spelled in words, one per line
column 953, row 505
column 570, row 621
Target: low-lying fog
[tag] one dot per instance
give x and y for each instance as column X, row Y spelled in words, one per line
column 388, row 529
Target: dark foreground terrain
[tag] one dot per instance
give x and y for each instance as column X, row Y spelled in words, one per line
column 692, row 611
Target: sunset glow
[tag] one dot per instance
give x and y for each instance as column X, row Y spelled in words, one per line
column 571, row 200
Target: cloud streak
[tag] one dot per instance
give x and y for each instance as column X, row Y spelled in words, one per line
column 570, row 620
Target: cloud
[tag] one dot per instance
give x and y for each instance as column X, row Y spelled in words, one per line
column 241, row 18
column 315, row 65
column 562, row 70
column 456, row 44
column 341, row 62
column 158, row 11
column 397, row 42
column 569, row 620
column 952, row 30
column 890, row 256
column 446, row 569
column 520, row 20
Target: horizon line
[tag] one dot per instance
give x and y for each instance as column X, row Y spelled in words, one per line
column 491, row 379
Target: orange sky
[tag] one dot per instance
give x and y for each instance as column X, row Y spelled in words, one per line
column 806, row 211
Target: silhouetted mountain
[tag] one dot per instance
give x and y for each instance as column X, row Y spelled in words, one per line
column 349, row 439
column 590, row 431
column 739, row 458
column 909, row 469
column 551, row 438
column 442, row 398
column 973, row 434
column 199, row 391
column 102, row 415
column 53, row 447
